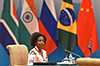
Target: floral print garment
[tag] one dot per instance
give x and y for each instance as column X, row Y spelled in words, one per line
column 35, row 56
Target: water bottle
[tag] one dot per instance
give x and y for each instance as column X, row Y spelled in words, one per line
column 73, row 60
column 70, row 58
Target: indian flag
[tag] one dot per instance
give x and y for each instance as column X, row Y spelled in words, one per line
column 66, row 33
column 28, row 22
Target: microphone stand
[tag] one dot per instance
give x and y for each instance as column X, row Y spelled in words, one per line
column 72, row 53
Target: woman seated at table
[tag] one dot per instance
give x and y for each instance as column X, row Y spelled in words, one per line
column 37, row 54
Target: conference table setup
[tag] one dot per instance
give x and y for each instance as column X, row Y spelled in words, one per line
column 53, row 64
column 56, row 65
column 86, row 61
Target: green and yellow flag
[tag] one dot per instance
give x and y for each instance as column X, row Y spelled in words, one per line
column 66, row 33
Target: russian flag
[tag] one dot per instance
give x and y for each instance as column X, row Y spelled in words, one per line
column 48, row 27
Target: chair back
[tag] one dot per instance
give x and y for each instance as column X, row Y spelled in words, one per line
column 88, row 61
column 18, row 54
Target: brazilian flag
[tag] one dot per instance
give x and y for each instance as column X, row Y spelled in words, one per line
column 66, row 26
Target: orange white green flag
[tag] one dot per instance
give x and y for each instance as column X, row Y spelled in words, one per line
column 28, row 23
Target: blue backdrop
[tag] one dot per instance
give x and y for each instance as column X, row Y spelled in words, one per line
column 58, row 3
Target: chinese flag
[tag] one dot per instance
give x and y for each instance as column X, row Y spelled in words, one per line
column 86, row 28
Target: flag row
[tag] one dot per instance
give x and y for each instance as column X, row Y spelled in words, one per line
column 66, row 33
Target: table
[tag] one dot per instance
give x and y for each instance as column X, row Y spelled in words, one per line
column 56, row 65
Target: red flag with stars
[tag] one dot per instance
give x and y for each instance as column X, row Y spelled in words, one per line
column 86, row 28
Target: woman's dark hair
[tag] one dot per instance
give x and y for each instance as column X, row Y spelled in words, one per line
column 34, row 38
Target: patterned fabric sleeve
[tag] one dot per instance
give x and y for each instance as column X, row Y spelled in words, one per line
column 31, row 57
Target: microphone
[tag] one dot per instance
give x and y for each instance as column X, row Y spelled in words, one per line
column 72, row 53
